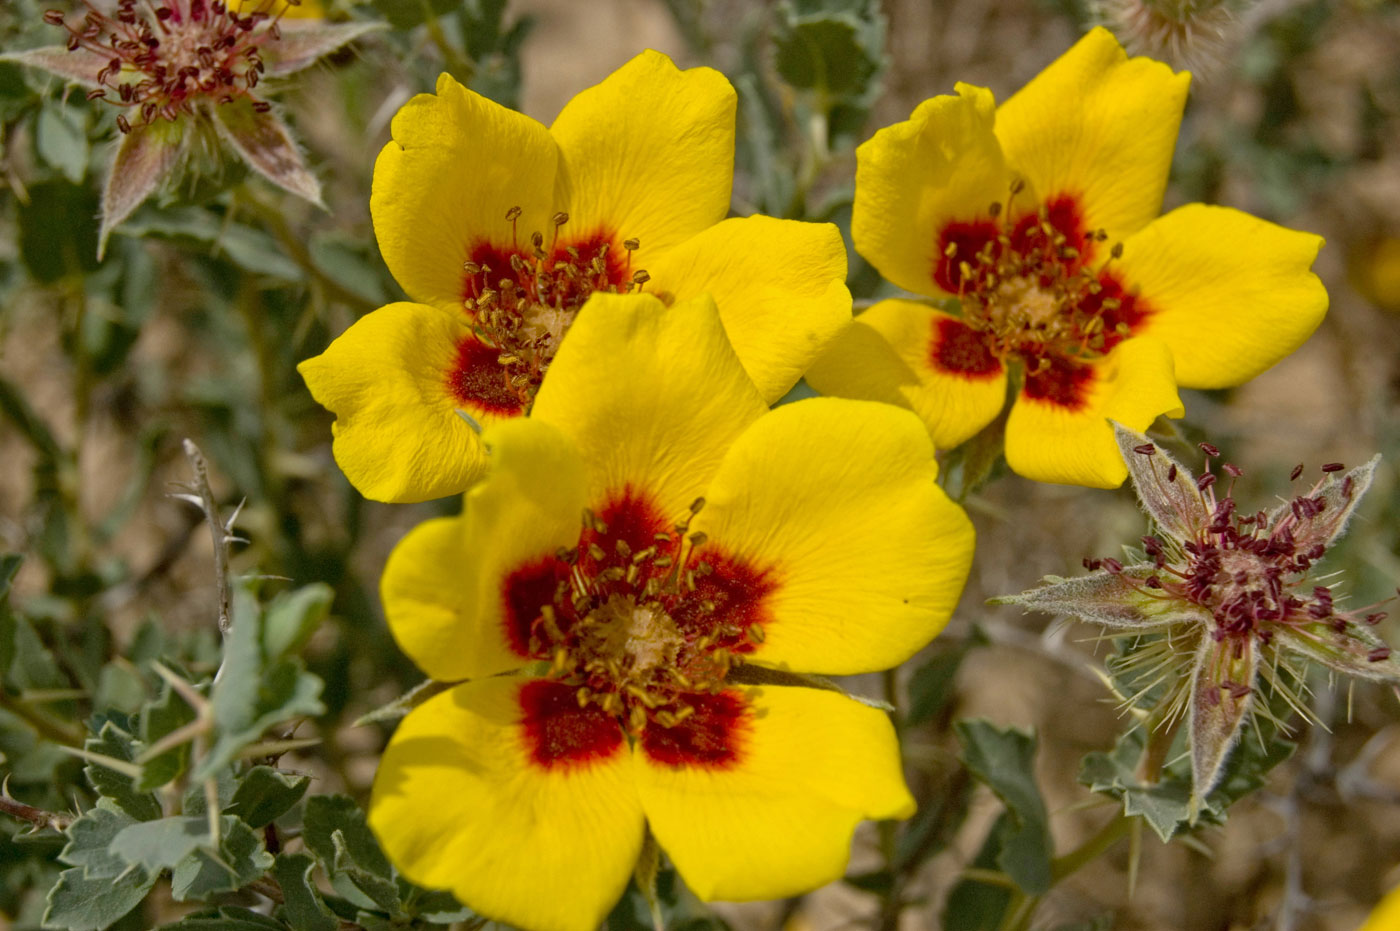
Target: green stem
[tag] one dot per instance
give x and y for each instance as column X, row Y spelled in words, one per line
column 296, row 251
column 60, row 732
column 1093, row 848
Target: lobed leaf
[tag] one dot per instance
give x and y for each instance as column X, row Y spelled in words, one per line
column 1005, row 761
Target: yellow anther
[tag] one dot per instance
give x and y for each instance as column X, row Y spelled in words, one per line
column 663, row 562
column 631, row 245
column 951, row 250
column 643, row 555
column 560, row 218
column 597, row 552
column 756, row 633
column 583, row 695
column 698, row 538
column 471, row 268
column 623, row 549
column 513, row 214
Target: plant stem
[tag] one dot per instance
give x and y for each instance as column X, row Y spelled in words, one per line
column 296, row 251
column 1110, row 834
column 49, row 728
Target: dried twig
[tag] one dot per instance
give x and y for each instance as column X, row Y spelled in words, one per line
column 220, row 531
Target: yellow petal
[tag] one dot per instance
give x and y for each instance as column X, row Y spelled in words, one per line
column 1230, row 294
column 1099, row 127
column 389, row 381
column 942, row 165
column 1386, row 917
column 863, row 555
column 779, row 285
column 776, row 819
column 456, row 164
column 652, row 396
column 507, row 794
column 1064, row 435
column 460, row 592
column 648, row 154
column 908, row 354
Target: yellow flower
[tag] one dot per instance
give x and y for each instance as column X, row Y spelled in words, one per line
column 1041, row 216
column 1386, row 917
column 649, row 642
column 283, row 9
column 500, row 228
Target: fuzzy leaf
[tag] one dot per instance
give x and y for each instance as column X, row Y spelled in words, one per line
column 1174, row 503
column 90, row 837
column 302, row 904
column 79, row 903
column 265, row 795
column 228, row 918
column 304, row 42
column 114, row 742
column 264, row 142
column 240, row 860
column 931, row 686
column 79, row 66
column 976, row 906
column 291, row 618
column 1005, row 761
column 1166, row 804
column 327, row 814
column 158, row 718
column 1218, row 706
column 61, row 139
column 144, row 159
column 159, row 845
column 833, row 52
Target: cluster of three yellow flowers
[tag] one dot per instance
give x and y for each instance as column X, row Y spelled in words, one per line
column 642, row 561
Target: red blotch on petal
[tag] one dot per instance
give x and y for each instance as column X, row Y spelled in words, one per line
column 964, row 240
column 479, row 381
column 725, row 603
column 1064, row 216
column 1064, row 381
column 714, row 737
column 1130, row 312
column 561, row 734
column 524, row 592
column 959, row 349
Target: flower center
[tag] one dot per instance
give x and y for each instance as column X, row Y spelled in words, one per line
column 520, row 300
column 162, row 57
column 1029, row 291
column 643, row 621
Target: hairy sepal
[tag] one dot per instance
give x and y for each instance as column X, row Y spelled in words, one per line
column 301, row 45
column 1174, row 503
column 142, row 161
column 264, row 142
column 1116, row 601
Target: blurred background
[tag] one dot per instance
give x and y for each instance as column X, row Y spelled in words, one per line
column 194, row 323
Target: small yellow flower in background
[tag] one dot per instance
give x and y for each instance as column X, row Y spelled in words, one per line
column 500, row 229
column 1386, row 917
column 286, row 9
column 650, row 553
column 1039, row 216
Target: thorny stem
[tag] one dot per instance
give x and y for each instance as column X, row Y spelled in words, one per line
column 1159, row 742
column 217, row 530
column 35, row 816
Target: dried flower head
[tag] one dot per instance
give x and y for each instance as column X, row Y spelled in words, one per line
column 1191, row 34
column 182, row 71
column 1229, row 598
